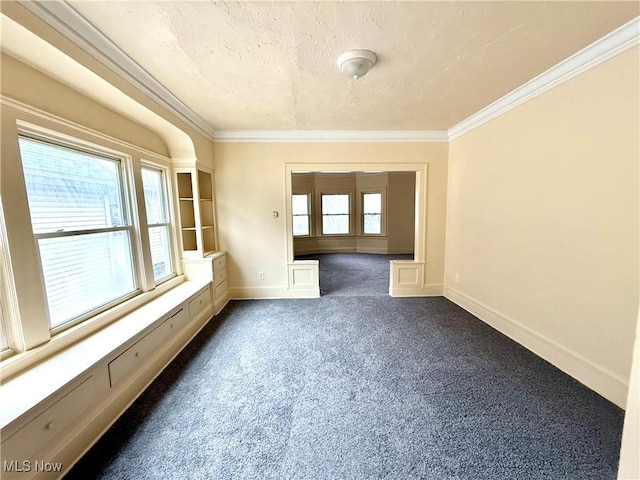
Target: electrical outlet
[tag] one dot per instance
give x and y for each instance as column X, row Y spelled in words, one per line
column 456, row 278
column 260, row 275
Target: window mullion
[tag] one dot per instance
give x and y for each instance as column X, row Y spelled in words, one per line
column 142, row 247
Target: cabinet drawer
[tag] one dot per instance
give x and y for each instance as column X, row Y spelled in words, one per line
column 44, row 429
column 175, row 323
column 135, row 356
column 220, row 276
column 220, row 263
column 221, row 290
column 198, row 304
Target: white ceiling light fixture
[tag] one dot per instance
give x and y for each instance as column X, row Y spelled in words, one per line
column 356, row 63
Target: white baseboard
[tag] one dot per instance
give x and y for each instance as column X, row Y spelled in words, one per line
column 400, row 251
column 597, row 378
column 314, row 251
column 432, row 290
column 371, row 250
column 251, row 293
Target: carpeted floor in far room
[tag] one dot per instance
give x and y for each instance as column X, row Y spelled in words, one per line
column 358, row 387
column 354, row 274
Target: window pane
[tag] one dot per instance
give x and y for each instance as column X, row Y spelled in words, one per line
column 335, row 204
column 70, row 190
column 301, row 225
column 160, row 252
column 372, row 224
column 335, row 224
column 154, row 195
column 85, row 272
column 300, row 204
column 372, row 202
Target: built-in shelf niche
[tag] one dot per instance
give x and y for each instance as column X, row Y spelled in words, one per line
column 197, row 218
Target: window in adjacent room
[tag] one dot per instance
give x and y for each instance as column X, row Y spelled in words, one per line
column 158, row 220
column 335, row 214
column 81, row 223
column 372, row 213
column 301, row 219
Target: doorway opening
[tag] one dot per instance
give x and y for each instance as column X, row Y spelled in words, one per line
column 353, row 223
column 341, row 219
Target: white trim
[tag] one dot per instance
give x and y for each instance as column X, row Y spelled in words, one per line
column 66, row 20
column 78, row 332
column 30, row 127
column 72, row 25
column 429, row 290
column 324, row 136
column 599, row 379
column 275, row 292
column 615, row 43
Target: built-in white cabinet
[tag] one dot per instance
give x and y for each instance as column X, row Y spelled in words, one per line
column 201, row 259
column 212, row 268
column 52, row 413
column 196, row 208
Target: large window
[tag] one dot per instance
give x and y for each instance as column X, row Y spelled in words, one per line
column 301, row 217
column 372, row 213
column 81, row 223
column 155, row 199
column 335, row 214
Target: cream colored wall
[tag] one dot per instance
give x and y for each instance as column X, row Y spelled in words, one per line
column 27, row 85
column 250, row 183
column 401, row 204
column 542, row 223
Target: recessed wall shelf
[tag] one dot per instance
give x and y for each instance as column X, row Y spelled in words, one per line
column 196, row 208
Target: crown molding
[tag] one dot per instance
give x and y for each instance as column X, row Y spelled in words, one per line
column 615, row 43
column 67, row 21
column 326, row 136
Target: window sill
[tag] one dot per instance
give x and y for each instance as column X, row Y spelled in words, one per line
column 21, row 361
column 40, row 380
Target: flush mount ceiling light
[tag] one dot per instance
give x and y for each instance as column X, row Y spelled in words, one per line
column 356, row 63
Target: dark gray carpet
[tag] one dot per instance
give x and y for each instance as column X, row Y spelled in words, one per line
column 354, row 274
column 358, row 388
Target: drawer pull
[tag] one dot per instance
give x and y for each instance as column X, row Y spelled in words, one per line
column 49, row 426
column 137, row 354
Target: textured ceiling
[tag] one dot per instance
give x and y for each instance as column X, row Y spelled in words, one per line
column 271, row 65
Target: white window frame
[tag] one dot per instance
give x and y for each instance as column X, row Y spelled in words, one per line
column 126, row 194
column 6, row 302
column 170, row 224
column 308, row 215
column 383, row 204
column 30, row 335
column 349, row 213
